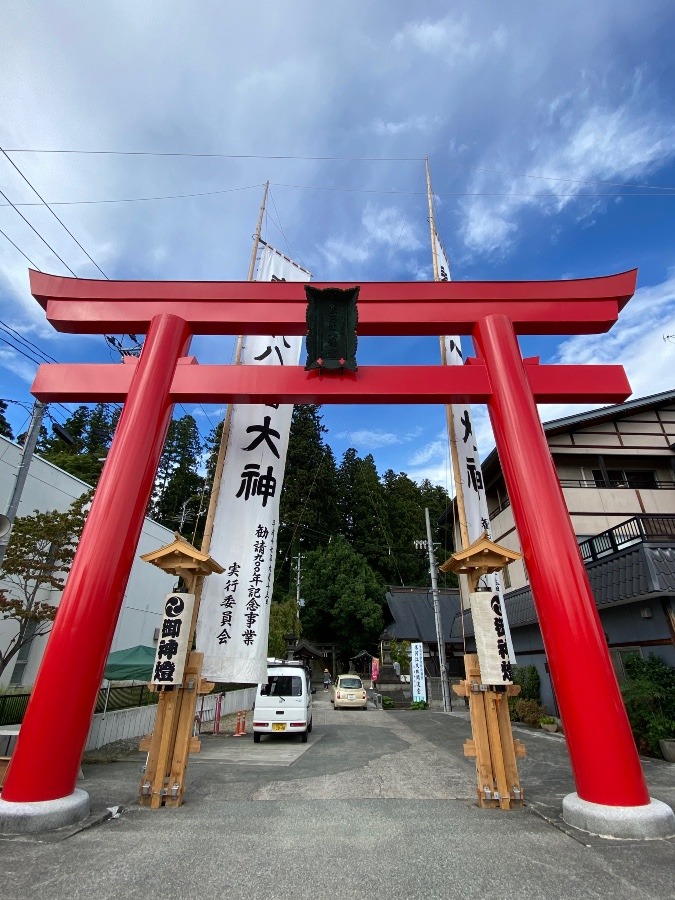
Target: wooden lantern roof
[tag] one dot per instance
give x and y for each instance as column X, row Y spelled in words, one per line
column 181, row 556
column 482, row 557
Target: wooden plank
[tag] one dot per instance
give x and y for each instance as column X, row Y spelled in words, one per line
column 492, row 701
column 185, row 725
column 509, row 750
column 484, row 774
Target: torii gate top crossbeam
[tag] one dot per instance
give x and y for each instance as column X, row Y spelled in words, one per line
column 578, row 306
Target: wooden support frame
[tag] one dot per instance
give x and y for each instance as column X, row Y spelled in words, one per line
column 493, row 745
column 172, row 740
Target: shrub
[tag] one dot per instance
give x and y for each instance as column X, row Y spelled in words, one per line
column 419, row 704
column 547, row 720
column 649, row 697
column 528, row 679
column 387, row 703
column 530, row 712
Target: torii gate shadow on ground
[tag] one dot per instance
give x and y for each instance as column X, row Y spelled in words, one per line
column 611, row 789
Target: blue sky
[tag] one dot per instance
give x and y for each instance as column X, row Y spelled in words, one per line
column 549, row 129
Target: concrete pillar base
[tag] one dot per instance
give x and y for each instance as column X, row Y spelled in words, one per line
column 43, row 815
column 654, row 820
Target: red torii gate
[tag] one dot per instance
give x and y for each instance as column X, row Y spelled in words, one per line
column 53, row 735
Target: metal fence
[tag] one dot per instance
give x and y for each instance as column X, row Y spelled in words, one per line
column 125, row 697
column 12, row 708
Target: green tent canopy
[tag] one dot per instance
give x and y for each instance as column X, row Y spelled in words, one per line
column 132, row 664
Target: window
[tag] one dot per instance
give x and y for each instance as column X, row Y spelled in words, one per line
column 630, row 478
column 282, row 686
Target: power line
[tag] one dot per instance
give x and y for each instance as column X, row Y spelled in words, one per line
column 63, row 225
column 34, row 265
column 18, row 212
column 437, row 163
column 141, row 199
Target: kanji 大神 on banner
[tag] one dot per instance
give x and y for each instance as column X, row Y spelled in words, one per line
column 233, row 624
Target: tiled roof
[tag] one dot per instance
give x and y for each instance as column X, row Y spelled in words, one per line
column 411, row 614
column 639, row 572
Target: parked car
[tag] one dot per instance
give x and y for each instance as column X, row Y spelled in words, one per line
column 284, row 704
column 348, row 692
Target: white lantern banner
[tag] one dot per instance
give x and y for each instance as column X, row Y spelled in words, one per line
column 490, row 634
column 174, row 634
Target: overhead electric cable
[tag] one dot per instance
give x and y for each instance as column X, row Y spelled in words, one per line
column 35, row 265
column 451, row 164
column 60, row 221
column 18, row 212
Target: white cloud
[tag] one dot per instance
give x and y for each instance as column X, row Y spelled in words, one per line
column 575, row 162
column 371, row 439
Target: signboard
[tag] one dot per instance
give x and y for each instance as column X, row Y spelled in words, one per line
column 417, row 680
column 375, row 670
column 174, row 633
column 490, row 633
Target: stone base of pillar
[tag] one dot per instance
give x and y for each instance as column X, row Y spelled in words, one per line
column 654, row 820
column 43, row 815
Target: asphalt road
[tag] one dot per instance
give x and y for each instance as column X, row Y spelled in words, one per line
column 375, row 804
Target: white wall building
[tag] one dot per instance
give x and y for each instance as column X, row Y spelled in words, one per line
column 47, row 488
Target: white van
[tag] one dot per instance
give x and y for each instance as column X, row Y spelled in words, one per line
column 284, row 704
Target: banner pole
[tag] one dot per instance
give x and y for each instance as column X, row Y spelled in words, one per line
column 222, row 450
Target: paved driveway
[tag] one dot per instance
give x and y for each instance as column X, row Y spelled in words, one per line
column 376, row 804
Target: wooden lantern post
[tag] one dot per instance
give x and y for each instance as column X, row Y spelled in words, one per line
column 492, row 744
column 172, row 739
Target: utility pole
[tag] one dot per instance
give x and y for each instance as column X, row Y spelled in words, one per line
column 299, row 557
column 447, row 704
column 27, row 452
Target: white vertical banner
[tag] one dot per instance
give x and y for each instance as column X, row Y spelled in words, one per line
column 475, row 500
column 418, row 684
column 233, row 625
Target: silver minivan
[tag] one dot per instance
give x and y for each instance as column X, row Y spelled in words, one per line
column 284, row 704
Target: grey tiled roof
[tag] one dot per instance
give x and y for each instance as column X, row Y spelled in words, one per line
column 639, row 572
column 410, row 614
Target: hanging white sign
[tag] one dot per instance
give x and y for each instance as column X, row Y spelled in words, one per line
column 233, row 625
column 174, row 634
column 417, row 680
column 473, row 488
column 490, row 633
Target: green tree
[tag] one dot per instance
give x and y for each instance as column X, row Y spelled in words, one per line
column 179, row 488
column 400, row 653
column 38, row 558
column 92, row 430
column 283, row 621
column 343, row 599
column 364, row 514
column 5, row 427
column 308, row 510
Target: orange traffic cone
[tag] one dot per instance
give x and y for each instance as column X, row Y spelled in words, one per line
column 240, row 724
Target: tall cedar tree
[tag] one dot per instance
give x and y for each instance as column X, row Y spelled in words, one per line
column 343, row 599
column 5, row 427
column 308, row 512
column 92, row 430
column 38, row 558
column 179, row 500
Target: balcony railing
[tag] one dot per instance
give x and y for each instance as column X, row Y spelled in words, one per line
column 591, row 483
column 656, row 485
column 639, row 529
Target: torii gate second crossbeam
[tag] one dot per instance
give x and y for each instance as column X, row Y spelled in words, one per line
column 493, row 313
